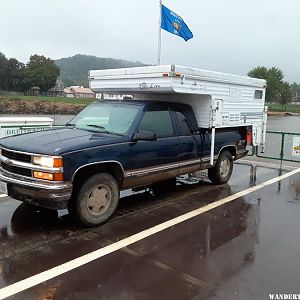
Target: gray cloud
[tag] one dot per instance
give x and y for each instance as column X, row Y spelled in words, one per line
column 229, row 36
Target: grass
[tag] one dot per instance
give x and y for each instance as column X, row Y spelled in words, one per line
column 75, row 101
column 284, row 108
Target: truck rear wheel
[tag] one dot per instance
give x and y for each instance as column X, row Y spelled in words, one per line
column 96, row 200
column 222, row 170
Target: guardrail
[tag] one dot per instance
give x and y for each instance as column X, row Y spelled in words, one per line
column 9, row 130
column 282, row 146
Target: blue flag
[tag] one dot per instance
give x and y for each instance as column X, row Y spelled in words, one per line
column 173, row 23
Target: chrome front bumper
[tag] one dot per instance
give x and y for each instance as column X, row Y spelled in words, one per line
column 54, row 195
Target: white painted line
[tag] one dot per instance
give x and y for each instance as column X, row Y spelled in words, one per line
column 3, row 195
column 87, row 258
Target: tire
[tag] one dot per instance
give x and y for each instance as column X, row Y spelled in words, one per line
column 95, row 201
column 222, row 170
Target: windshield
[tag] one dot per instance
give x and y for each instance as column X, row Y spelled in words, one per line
column 111, row 118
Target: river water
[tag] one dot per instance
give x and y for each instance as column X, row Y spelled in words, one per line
column 284, row 123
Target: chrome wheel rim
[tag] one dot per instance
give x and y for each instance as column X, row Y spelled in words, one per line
column 224, row 167
column 99, row 200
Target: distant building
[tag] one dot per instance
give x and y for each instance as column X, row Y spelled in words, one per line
column 58, row 90
column 82, row 92
column 68, row 93
column 79, row 92
column 34, row 91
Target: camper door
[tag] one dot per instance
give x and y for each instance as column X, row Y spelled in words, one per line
column 217, row 112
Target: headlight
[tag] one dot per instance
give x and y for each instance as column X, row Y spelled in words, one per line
column 48, row 161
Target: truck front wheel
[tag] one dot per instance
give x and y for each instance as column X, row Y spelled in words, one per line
column 96, row 200
column 222, row 170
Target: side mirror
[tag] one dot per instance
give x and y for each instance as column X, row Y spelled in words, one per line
column 144, row 135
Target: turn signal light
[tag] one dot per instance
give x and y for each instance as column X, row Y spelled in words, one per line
column 48, row 176
column 58, row 162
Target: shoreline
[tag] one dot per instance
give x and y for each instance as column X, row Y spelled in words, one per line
column 36, row 107
column 282, row 113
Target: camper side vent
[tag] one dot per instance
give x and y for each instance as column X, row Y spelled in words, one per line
column 234, row 118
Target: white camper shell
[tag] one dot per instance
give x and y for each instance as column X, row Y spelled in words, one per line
column 219, row 100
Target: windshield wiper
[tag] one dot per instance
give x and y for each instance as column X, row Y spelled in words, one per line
column 105, row 130
column 70, row 125
column 96, row 126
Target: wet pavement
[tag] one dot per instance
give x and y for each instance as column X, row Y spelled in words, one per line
column 244, row 249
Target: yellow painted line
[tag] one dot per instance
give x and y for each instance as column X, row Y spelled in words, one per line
column 3, row 195
column 92, row 256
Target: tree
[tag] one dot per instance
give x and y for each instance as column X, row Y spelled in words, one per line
column 3, row 66
column 286, row 93
column 274, row 78
column 40, row 71
column 14, row 73
column 10, row 73
column 295, row 89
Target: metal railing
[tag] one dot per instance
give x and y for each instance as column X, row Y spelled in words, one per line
column 10, row 130
column 282, row 146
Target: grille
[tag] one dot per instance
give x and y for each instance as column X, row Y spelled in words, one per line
column 16, row 156
column 16, row 170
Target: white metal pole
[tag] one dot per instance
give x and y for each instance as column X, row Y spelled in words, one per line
column 212, row 146
column 159, row 33
column 265, row 118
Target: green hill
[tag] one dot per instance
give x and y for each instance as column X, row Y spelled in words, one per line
column 74, row 70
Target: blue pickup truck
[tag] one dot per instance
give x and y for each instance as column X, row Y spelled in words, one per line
column 112, row 146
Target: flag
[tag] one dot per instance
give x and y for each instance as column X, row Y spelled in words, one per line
column 173, row 23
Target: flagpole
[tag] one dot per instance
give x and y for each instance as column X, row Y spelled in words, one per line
column 159, row 33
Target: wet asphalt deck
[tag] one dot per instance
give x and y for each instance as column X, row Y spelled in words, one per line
column 244, row 249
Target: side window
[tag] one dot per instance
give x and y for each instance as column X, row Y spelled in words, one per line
column 184, row 127
column 258, row 94
column 158, row 122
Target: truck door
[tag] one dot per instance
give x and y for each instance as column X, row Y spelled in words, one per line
column 155, row 160
column 188, row 157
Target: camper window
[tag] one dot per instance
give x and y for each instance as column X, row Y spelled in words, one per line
column 258, row 94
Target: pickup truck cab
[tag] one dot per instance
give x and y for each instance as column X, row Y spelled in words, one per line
column 111, row 146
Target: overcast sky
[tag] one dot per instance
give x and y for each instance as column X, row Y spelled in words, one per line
column 229, row 35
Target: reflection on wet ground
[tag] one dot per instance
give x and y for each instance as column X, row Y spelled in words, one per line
column 245, row 249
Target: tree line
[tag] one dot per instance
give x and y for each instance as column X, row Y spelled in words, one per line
column 17, row 76
column 278, row 90
column 43, row 72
